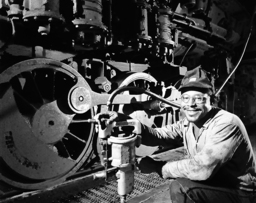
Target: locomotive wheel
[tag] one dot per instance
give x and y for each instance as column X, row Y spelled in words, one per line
column 42, row 141
column 141, row 80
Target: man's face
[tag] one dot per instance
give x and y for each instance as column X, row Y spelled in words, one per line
column 195, row 105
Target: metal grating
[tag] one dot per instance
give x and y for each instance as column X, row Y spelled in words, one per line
column 107, row 193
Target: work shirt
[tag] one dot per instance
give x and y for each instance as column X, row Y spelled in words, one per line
column 221, row 151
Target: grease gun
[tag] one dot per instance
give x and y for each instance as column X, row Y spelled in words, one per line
column 121, row 153
column 122, row 149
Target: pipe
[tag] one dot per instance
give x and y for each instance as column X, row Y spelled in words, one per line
column 139, row 90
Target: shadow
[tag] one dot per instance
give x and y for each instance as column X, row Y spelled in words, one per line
column 3, row 88
column 7, row 112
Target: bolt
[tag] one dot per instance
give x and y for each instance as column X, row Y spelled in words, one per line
column 81, row 98
column 51, row 122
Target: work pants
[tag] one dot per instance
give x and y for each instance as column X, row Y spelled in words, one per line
column 186, row 191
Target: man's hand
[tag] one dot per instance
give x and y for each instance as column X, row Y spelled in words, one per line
column 106, row 118
column 148, row 165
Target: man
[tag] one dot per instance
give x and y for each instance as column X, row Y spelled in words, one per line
column 220, row 166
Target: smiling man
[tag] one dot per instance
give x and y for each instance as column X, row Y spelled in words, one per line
column 220, row 165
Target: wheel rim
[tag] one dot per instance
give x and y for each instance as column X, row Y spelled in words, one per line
column 42, row 141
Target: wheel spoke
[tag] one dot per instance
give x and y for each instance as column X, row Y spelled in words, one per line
column 23, row 87
column 37, row 91
column 62, row 150
column 44, row 81
column 26, row 108
column 80, row 121
column 77, row 138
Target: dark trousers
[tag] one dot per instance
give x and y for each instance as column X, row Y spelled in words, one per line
column 186, row 191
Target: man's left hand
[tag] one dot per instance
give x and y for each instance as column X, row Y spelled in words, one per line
column 148, row 165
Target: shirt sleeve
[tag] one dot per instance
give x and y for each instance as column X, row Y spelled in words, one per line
column 220, row 147
column 165, row 135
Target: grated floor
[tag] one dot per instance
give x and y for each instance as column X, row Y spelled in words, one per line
column 107, row 193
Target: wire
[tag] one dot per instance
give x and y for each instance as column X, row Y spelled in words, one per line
column 188, row 49
column 239, row 61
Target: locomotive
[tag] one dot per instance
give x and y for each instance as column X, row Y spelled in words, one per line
column 60, row 61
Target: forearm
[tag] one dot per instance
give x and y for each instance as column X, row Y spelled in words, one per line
column 186, row 168
column 151, row 137
column 160, row 136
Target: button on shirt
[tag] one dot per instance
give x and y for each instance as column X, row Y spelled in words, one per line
column 222, row 150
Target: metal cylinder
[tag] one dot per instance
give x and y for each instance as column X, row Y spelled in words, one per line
column 15, row 7
column 43, row 13
column 49, row 7
column 123, row 157
column 91, row 14
column 125, row 180
column 143, row 19
column 123, row 150
column 165, row 35
column 88, row 23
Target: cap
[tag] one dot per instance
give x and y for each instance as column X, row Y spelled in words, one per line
column 196, row 77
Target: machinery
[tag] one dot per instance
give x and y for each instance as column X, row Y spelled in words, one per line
column 122, row 155
column 122, row 151
column 62, row 62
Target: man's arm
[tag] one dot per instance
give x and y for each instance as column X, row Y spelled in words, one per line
column 165, row 135
column 220, row 148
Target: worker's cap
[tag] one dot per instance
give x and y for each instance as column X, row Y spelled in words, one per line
column 197, row 78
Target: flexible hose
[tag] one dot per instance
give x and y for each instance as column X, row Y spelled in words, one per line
column 138, row 90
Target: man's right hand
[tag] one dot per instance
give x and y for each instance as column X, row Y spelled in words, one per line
column 106, row 118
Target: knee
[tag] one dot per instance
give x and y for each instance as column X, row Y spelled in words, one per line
column 178, row 189
column 179, row 185
column 175, row 191
column 174, row 187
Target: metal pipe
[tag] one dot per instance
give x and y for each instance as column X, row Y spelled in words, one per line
column 139, row 90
